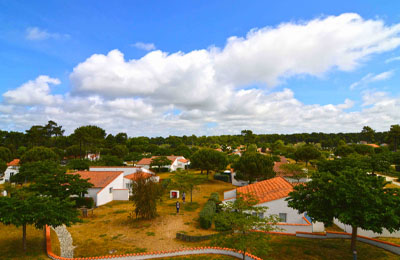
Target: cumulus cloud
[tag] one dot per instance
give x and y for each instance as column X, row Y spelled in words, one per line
column 34, row 92
column 144, row 46
column 371, row 77
column 37, row 34
column 212, row 85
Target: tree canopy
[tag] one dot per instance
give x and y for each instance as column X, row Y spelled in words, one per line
column 160, row 161
column 39, row 153
column 209, row 160
column 307, row 152
column 252, row 166
column 186, row 182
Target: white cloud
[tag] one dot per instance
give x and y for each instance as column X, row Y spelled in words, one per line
column 144, row 46
column 371, row 77
column 34, row 92
column 37, row 34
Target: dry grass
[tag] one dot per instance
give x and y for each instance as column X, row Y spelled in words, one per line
column 395, row 240
column 393, row 186
column 334, row 228
column 111, row 231
column 11, row 243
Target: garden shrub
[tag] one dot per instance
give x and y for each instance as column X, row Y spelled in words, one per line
column 214, row 197
column 222, row 177
column 207, row 214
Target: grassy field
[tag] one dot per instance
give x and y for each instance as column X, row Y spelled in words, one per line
column 110, row 230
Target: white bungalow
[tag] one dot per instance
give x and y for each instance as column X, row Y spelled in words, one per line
column 177, row 162
column 12, row 169
column 272, row 194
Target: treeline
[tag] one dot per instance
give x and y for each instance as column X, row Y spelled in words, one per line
column 93, row 139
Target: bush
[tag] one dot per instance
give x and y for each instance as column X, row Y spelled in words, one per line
column 165, row 183
column 207, row 214
column 81, row 202
column 222, row 225
column 214, row 197
column 222, row 177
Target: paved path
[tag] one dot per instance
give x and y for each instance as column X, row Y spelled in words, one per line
column 392, row 179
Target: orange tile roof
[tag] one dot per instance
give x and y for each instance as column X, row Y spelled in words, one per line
column 137, row 175
column 147, row 161
column 374, row 145
column 277, row 166
column 99, row 179
column 183, row 160
column 14, row 162
column 115, row 167
column 268, row 190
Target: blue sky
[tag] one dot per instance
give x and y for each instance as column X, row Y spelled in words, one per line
column 52, row 39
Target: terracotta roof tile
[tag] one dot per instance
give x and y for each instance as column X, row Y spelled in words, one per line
column 99, row 179
column 147, row 161
column 268, row 190
column 14, row 162
column 183, row 160
column 137, row 175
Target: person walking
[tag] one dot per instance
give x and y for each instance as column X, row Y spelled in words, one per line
column 183, row 197
column 178, row 205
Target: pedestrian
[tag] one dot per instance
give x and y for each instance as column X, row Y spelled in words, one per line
column 178, row 205
column 183, row 197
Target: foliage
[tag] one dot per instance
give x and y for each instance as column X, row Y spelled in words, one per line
column 394, row 136
column 294, row 171
column 5, row 154
column 222, row 177
column 109, row 160
column 78, row 164
column 307, row 152
column 145, row 196
column 3, row 167
column 160, row 161
column 368, row 134
column 39, row 153
column 207, row 214
column 254, row 166
column 186, row 182
column 209, row 160
column 80, row 202
column 242, row 216
column 350, row 195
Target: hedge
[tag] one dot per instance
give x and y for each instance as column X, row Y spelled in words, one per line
column 81, row 202
column 222, row 177
column 207, row 214
column 214, row 197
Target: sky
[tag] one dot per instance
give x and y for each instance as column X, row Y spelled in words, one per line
column 159, row 68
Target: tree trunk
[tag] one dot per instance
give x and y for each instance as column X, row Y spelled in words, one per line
column 353, row 238
column 191, row 195
column 208, row 172
column 24, row 237
column 44, row 239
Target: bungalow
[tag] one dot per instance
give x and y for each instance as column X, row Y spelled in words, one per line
column 272, row 194
column 12, row 169
column 107, row 186
column 177, row 162
column 128, row 179
column 127, row 170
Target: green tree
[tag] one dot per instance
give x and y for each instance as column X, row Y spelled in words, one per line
column 145, row 196
column 252, row 148
column 120, row 150
column 24, row 208
column 78, row 165
column 3, row 168
column 394, row 135
column 89, row 138
column 307, row 152
column 253, row 166
column 368, row 134
column 110, row 160
column 39, row 153
column 242, row 216
column 184, row 181
column 5, row 154
column 209, row 160
column 159, row 162
column 294, row 171
column 353, row 197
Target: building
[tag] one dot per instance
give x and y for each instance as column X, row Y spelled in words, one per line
column 107, row 186
column 12, row 169
column 128, row 179
column 177, row 162
column 127, row 170
column 272, row 194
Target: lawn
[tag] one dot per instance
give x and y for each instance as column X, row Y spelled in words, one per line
column 110, row 230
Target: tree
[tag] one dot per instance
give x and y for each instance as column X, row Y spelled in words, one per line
column 378, row 162
column 254, row 166
column 307, row 152
column 242, row 216
column 353, row 197
column 5, row 154
column 145, row 195
column 295, row 171
column 78, row 165
column 39, row 153
column 368, row 134
column 186, row 182
column 52, row 129
column 160, row 161
column 3, row 167
column 120, row 150
column 24, row 208
column 252, row 148
column 209, row 160
column 394, row 135
column 90, row 138
column 110, row 160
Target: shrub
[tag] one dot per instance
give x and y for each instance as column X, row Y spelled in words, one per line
column 214, row 197
column 207, row 214
column 221, row 225
column 87, row 202
column 222, row 177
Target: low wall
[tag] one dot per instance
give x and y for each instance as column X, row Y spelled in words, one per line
column 154, row 255
column 120, row 194
column 366, row 233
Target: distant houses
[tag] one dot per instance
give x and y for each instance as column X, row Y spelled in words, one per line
column 272, row 194
column 12, row 169
column 177, row 162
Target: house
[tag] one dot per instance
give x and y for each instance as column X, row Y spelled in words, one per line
column 272, row 194
column 107, row 186
column 125, row 169
column 12, row 169
column 177, row 162
column 128, row 179
column 92, row 156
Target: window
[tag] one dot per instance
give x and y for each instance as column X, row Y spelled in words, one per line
column 111, row 189
column 282, row 217
column 261, row 215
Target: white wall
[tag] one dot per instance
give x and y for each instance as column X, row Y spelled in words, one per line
column 281, row 206
column 120, row 194
column 104, row 196
column 126, row 170
column 366, row 233
column 92, row 192
column 229, row 194
column 11, row 170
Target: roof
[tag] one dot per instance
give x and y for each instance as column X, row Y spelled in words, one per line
column 183, row 160
column 99, row 179
column 268, row 190
column 115, row 167
column 147, row 161
column 137, row 175
column 277, row 166
column 14, row 162
column 374, row 145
